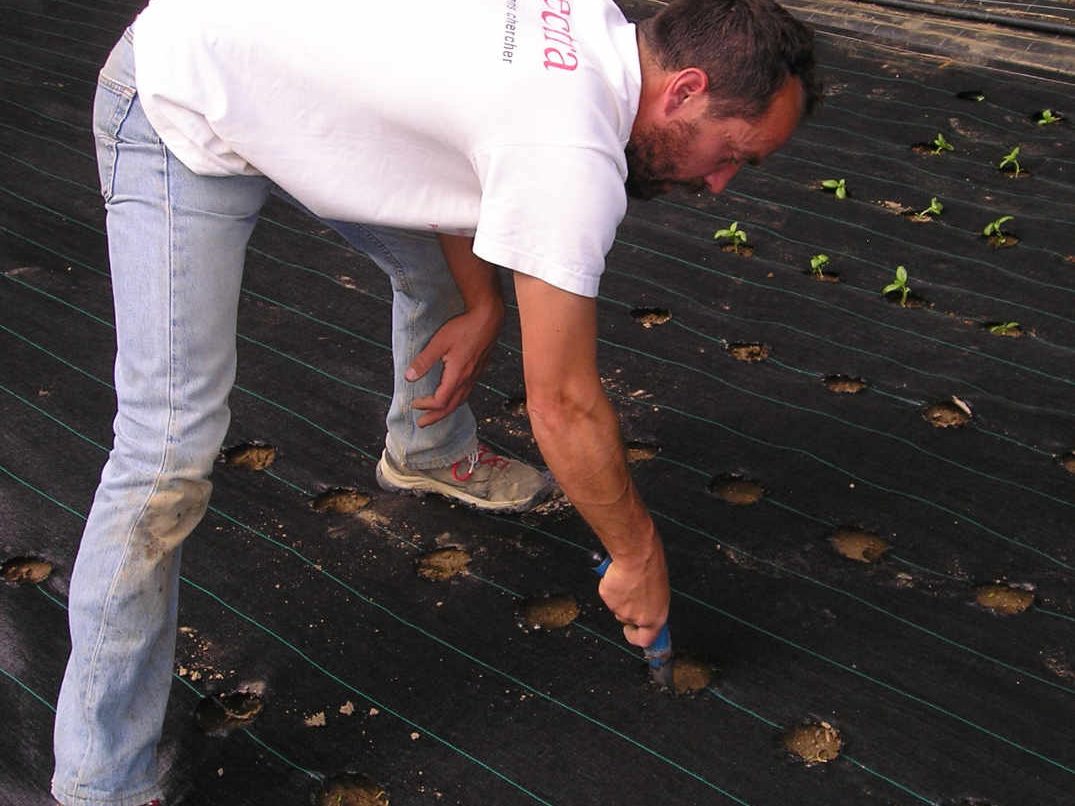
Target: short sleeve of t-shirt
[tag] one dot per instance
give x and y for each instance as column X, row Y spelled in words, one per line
column 550, row 212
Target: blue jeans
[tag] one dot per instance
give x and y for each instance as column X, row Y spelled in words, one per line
column 177, row 243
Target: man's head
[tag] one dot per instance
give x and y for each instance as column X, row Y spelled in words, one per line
column 724, row 82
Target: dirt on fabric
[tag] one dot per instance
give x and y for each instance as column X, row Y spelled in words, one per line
column 352, row 789
column 844, row 384
column 343, row 500
column 550, row 612
column 750, row 352
column 947, row 414
column 249, row 456
column 690, row 675
column 1004, row 600
column 26, row 570
column 650, row 317
column 817, row 743
column 641, row 451
column 736, row 490
column 221, row 714
column 859, row 545
column 443, row 564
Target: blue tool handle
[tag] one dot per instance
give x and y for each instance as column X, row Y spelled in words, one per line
column 660, row 651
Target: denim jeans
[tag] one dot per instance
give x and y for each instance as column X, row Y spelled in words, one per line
column 177, row 243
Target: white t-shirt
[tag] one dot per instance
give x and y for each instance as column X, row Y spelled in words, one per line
column 502, row 119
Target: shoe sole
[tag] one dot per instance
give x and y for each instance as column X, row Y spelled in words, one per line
column 418, row 486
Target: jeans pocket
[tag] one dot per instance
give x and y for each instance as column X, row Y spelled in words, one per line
column 111, row 105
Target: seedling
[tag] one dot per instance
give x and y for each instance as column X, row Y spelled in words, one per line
column 1004, row 328
column 1011, row 159
column 837, row 186
column 993, row 229
column 935, row 208
column 1047, row 116
column 818, row 263
column 899, row 283
column 940, row 144
column 735, row 236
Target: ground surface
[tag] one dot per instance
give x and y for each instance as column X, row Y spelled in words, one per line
column 341, row 657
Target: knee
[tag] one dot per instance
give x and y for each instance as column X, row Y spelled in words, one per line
column 172, row 512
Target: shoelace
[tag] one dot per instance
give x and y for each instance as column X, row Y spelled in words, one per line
column 479, row 456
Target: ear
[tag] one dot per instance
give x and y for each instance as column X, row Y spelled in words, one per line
column 685, row 91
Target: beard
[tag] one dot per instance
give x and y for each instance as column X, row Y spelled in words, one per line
column 652, row 156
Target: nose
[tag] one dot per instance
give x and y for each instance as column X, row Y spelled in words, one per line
column 718, row 180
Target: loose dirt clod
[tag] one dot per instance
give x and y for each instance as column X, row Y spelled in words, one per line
column 844, row 384
column 751, row 352
column 340, row 499
column 649, row 317
column 220, row 715
column 1005, row 241
column 26, row 570
column 641, row 451
column 352, row 789
column 516, row 406
column 689, row 676
column 947, row 414
column 817, row 743
column 550, row 612
column 249, row 455
column 858, row 545
column 1005, row 600
column 736, row 490
column 445, row 563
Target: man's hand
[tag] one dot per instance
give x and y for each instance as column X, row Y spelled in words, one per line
column 636, row 590
column 463, row 343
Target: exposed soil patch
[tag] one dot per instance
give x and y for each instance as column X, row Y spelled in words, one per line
column 743, row 250
column 1009, row 172
column 751, row 352
column 947, row 414
column 341, row 500
column 917, row 218
column 444, row 563
column 913, row 300
column 351, row 789
column 817, row 743
column 736, row 490
column 844, row 384
column 971, row 95
column 1067, row 461
column 858, row 545
column 1005, row 241
column 249, row 455
column 26, row 570
column 689, row 675
column 550, row 612
column 649, row 317
column 641, row 451
column 221, row 714
column 824, row 276
column 1004, row 600
column 894, row 206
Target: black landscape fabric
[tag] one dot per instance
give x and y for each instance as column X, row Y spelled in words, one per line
column 868, row 506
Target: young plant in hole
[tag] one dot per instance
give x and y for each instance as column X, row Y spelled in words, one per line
column 1047, row 116
column 837, row 186
column 736, row 237
column 993, row 228
column 818, row 263
column 940, row 145
column 899, row 283
column 935, row 208
column 1010, row 160
column 1004, row 328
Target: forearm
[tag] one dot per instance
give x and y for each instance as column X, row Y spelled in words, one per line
column 579, row 437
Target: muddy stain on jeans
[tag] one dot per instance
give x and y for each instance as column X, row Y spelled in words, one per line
column 172, row 513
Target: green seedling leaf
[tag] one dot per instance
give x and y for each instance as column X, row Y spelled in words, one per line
column 817, row 262
column 1004, row 328
column 899, row 284
column 940, row 144
column 993, row 228
column 935, row 208
column 732, row 233
column 1012, row 159
column 1046, row 116
column 837, row 186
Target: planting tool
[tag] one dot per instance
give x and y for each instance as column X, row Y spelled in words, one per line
column 658, row 655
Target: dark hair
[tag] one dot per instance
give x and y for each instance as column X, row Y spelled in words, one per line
column 747, row 48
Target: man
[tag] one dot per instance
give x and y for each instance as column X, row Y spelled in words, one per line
column 443, row 140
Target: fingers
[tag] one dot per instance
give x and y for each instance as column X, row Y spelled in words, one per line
column 641, row 636
column 425, row 360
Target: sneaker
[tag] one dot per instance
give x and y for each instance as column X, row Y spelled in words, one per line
column 483, row 480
